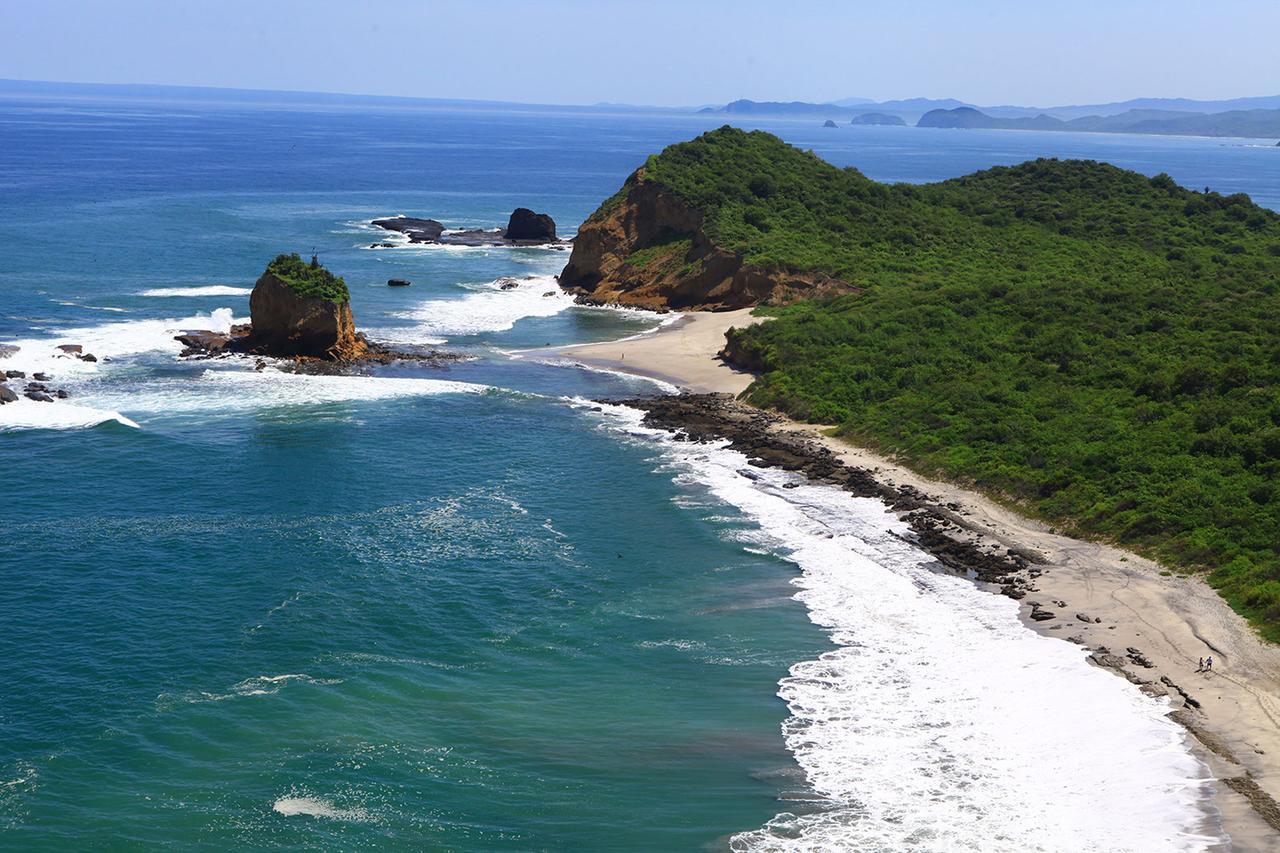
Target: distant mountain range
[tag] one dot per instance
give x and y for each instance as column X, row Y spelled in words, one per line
column 1248, row 123
column 1246, row 117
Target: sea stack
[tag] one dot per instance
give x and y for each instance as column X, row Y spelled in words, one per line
column 302, row 309
column 527, row 225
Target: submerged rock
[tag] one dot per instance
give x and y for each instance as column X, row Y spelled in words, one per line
column 398, row 282
column 71, row 349
column 7, row 350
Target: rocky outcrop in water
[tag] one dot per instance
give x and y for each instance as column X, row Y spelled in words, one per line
column 527, row 225
column 417, row 230
column 288, row 323
column 647, row 248
column 524, row 228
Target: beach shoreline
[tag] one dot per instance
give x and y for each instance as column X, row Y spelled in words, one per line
column 1147, row 624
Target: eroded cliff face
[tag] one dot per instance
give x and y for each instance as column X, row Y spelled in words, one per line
column 649, row 250
column 286, row 324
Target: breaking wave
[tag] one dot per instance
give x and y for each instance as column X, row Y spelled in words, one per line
column 938, row 721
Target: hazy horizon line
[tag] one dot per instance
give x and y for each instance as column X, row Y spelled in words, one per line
column 5, row 81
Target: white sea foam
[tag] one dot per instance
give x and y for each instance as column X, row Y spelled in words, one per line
column 108, row 340
column 488, row 308
column 219, row 391
column 258, row 685
column 30, row 414
column 199, row 290
column 939, row 722
column 317, row 807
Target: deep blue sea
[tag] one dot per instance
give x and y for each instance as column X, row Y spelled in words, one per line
column 460, row 608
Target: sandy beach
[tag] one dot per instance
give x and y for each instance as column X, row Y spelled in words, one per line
column 1155, row 625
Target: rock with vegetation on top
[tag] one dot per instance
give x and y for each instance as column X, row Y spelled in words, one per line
column 301, row 309
column 829, row 123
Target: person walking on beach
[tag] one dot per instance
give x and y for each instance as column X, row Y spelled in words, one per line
column 1208, row 663
column 1201, row 667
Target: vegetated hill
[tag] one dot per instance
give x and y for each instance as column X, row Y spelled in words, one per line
column 1099, row 346
column 1246, row 123
column 968, row 117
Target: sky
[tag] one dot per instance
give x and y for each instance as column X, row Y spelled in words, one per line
column 662, row 52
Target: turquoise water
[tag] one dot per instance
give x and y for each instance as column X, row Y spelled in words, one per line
column 456, row 608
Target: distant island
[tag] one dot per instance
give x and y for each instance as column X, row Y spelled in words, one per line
column 879, row 118
column 1243, row 123
column 1092, row 344
column 1239, row 117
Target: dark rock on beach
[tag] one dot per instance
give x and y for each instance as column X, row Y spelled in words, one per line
column 71, row 349
column 40, row 377
column 7, row 395
column 15, row 374
column 39, row 396
column 751, row 431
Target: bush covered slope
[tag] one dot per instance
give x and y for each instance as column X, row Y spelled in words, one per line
column 1100, row 346
column 309, row 279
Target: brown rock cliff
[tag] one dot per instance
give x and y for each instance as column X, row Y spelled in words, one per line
column 649, row 250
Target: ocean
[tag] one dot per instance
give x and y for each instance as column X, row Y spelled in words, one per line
column 465, row 607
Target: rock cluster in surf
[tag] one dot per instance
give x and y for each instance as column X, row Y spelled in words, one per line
column 524, row 228
column 38, row 388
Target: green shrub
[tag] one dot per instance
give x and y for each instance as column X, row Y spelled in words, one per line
column 309, row 279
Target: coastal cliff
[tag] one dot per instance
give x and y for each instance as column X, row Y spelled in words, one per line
column 646, row 247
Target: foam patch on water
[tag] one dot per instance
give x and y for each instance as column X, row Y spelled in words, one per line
column 109, row 340
column 200, row 290
column 318, row 807
column 487, row 308
column 258, row 685
column 938, row 721
column 232, row 391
